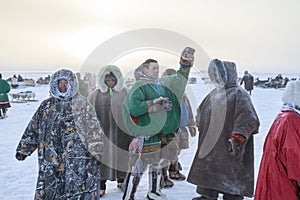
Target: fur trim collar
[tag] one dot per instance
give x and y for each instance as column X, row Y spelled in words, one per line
column 291, row 107
column 217, row 73
column 72, row 84
column 141, row 75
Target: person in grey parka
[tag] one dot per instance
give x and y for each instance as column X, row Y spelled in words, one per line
column 107, row 99
column 67, row 135
column 226, row 121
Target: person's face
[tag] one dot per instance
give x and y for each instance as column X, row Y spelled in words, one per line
column 62, row 85
column 110, row 82
column 153, row 70
column 216, row 79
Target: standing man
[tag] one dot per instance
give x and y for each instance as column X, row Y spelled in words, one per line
column 226, row 121
column 4, row 101
column 152, row 115
column 187, row 121
column 82, row 86
column 248, row 81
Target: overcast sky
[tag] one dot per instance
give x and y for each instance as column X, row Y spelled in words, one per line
column 259, row 35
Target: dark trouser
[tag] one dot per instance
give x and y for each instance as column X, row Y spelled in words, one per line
column 3, row 111
column 213, row 194
column 3, row 108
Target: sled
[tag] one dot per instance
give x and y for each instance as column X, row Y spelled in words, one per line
column 22, row 97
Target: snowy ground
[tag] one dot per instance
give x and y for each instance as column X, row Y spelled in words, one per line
column 18, row 179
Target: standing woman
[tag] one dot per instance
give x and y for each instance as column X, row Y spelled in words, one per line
column 4, row 101
column 107, row 100
column 279, row 174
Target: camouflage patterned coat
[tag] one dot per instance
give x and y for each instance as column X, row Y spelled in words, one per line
column 68, row 137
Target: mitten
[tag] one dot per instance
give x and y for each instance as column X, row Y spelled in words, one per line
column 159, row 104
column 236, row 141
column 167, row 105
column 20, row 156
column 192, row 131
column 187, row 57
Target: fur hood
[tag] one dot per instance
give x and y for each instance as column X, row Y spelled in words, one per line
column 72, row 84
column 291, row 94
column 217, row 73
column 231, row 72
column 107, row 70
column 141, row 75
column 222, row 73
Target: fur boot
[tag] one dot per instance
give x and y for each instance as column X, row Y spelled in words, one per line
column 155, row 192
column 174, row 172
column 165, row 182
column 131, row 186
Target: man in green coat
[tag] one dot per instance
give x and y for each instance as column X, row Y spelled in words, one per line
column 4, row 101
column 152, row 113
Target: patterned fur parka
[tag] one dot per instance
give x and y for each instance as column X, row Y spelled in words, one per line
column 67, row 135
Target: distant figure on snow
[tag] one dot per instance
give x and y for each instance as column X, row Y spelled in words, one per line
column 248, row 81
column 4, row 100
column 14, row 81
column 82, row 86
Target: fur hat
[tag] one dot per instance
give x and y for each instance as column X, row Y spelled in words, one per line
column 217, row 73
column 72, row 89
column 291, row 94
column 231, row 72
column 187, row 57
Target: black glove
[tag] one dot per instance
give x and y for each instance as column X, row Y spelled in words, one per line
column 20, row 156
column 192, row 131
column 235, row 147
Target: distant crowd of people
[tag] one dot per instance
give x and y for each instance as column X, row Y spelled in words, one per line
column 88, row 133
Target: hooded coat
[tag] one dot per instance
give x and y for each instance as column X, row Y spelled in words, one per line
column 4, row 90
column 280, row 164
column 248, row 81
column 108, row 106
column 67, row 135
column 226, row 110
